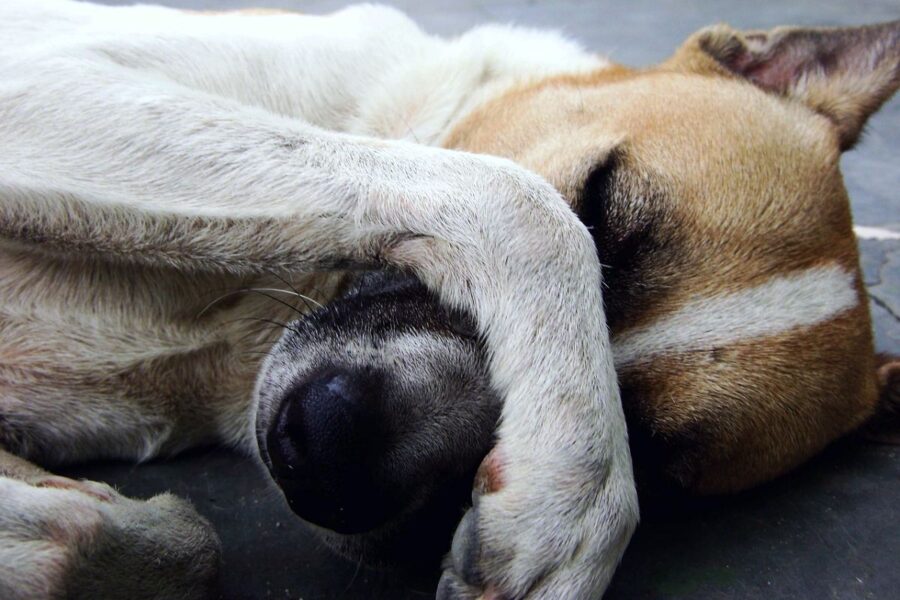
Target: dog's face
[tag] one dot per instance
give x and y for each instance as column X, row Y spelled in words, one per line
column 373, row 415
column 681, row 177
column 731, row 286
column 712, row 186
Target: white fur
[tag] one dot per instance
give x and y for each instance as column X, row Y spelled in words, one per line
column 781, row 304
column 52, row 527
column 875, row 233
column 166, row 142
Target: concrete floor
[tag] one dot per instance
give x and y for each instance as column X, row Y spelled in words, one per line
column 829, row 530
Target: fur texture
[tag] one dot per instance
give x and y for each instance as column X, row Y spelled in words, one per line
column 154, row 160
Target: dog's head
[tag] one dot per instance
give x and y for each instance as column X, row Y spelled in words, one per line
column 712, row 185
column 731, row 286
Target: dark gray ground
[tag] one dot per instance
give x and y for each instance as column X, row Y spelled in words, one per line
column 831, row 530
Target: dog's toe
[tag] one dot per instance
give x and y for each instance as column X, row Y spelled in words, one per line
column 539, row 531
column 95, row 489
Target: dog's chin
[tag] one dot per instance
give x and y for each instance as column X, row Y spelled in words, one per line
column 413, row 542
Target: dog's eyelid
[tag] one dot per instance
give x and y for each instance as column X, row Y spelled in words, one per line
column 597, row 191
column 599, row 178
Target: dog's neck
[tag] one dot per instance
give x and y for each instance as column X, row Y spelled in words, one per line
column 422, row 98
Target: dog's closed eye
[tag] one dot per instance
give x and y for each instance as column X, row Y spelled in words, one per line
column 594, row 197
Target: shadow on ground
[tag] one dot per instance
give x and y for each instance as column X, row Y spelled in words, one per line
column 828, row 530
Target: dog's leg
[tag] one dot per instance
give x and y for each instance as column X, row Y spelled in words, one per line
column 61, row 538
column 93, row 366
column 102, row 160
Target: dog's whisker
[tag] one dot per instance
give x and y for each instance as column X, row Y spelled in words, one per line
column 306, row 299
column 251, row 330
column 257, row 319
column 263, row 320
column 278, row 300
column 257, row 353
column 219, row 299
column 263, row 292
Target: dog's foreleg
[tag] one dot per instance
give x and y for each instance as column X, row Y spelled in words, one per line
column 100, row 159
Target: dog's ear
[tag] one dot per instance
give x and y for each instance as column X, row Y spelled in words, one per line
column 845, row 74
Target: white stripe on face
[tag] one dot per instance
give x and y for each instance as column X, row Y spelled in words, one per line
column 800, row 299
column 875, row 233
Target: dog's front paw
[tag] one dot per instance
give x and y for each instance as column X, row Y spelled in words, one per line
column 61, row 538
column 541, row 528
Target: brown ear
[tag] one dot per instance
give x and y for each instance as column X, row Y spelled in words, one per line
column 845, row 74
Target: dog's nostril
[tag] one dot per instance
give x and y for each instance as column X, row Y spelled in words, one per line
column 323, row 446
column 325, row 419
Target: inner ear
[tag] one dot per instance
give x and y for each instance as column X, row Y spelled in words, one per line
column 845, row 74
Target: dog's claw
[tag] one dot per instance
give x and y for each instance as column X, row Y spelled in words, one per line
column 465, row 549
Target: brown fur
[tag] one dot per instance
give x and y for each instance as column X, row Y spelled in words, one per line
column 843, row 74
column 739, row 186
column 712, row 174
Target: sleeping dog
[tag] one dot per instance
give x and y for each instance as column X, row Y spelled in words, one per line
column 372, row 257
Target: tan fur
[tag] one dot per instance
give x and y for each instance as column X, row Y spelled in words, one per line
column 844, row 74
column 716, row 173
column 708, row 147
column 165, row 370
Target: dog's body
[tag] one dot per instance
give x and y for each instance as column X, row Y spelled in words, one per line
column 153, row 162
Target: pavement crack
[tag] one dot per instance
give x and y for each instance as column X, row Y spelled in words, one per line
column 878, row 301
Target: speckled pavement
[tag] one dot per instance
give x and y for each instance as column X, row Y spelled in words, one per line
column 830, row 530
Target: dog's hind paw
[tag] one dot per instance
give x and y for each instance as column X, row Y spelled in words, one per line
column 539, row 531
column 61, row 538
column 98, row 490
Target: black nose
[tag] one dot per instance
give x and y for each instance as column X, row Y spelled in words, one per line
column 325, row 445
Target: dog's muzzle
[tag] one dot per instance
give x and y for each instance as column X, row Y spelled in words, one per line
column 375, row 412
column 326, row 446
